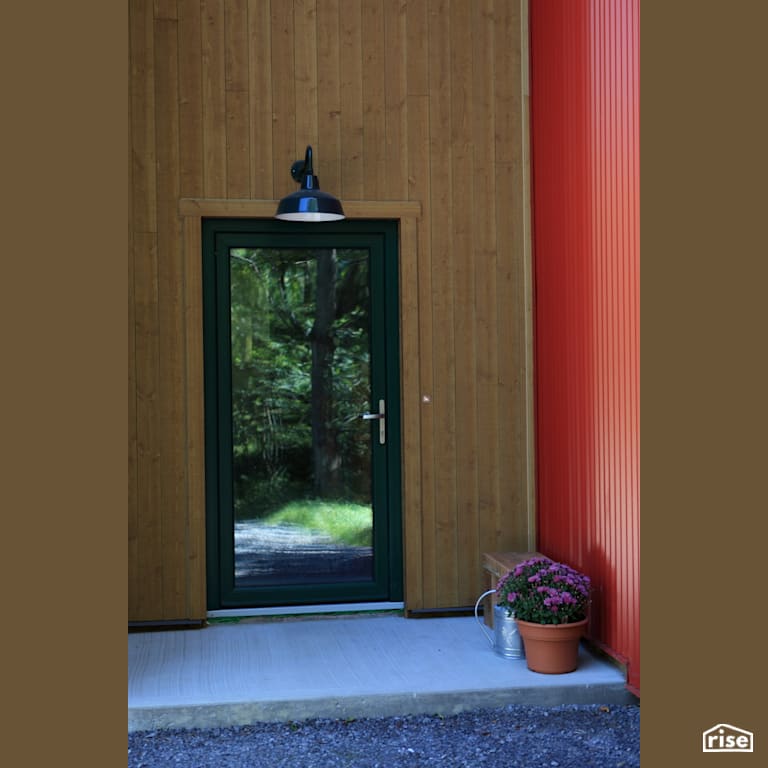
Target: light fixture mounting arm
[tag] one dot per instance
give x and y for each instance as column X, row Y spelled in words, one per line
column 303, row 173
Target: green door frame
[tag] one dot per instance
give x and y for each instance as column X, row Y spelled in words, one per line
column 381, row 238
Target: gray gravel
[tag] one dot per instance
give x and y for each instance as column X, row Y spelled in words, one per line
column 568, row 736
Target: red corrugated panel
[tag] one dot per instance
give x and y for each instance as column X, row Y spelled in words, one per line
column 585, row 164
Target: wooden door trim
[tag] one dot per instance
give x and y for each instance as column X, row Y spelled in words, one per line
column 191, row 212
column 265, row 209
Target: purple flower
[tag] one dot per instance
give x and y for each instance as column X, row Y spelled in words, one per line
column 545, row 592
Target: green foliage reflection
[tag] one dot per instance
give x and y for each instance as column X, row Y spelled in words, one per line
column 300, row 377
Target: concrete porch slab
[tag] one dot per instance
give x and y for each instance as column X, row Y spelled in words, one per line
column 345, row 667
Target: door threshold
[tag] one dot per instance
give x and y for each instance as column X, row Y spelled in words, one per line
column 302, row 610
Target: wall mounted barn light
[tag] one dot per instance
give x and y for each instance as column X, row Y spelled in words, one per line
column 309, row 203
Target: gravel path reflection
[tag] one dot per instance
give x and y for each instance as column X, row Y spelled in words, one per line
column 290, row 554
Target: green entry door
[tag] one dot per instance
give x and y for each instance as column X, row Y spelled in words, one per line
column 302, row 413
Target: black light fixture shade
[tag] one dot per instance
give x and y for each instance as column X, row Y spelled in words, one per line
column 309, row 203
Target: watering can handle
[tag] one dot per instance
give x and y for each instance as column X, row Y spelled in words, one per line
column 485, row 631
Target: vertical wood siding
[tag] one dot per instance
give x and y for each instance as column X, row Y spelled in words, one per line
column 401, row 100
column 585, row 164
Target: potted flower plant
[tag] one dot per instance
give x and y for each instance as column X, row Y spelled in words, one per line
column 550, row 603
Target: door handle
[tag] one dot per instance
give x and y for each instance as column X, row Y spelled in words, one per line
column 381, row 417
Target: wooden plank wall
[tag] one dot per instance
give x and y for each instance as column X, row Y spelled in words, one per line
column 401, row 100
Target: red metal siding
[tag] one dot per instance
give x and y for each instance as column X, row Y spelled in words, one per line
column 585, row 166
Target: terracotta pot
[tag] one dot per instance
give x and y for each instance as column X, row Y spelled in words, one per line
column 551, row 649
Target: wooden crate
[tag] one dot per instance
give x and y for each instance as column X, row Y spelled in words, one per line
column 495, row 565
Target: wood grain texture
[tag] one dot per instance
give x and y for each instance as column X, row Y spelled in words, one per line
column 410, row 411
column 265, row 209
column 374, row 155
column 237, row 99
column 509, row 151
column 395, row 101
column 190, row 100
column 305, row 71
column 483, row 210
column 143, row 194
column 133, row 483
column 145, row 555
column 285, row 149
column 146, row 566
column 465, row 310
column 260, row 100
column 213, row 47
column 329, row 134
column 416, row 111
column 170, row 316
column 194, row 402
column 351, row 118
column 421, row 573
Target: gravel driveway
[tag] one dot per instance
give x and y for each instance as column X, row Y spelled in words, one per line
column 569, row 736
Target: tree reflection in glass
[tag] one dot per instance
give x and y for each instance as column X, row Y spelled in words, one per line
column 300, row 346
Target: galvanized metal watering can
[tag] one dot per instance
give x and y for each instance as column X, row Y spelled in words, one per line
column 506, row 640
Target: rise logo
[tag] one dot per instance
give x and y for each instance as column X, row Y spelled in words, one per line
column 727, row 738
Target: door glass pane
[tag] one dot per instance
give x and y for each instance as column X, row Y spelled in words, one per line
column 301, row 454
